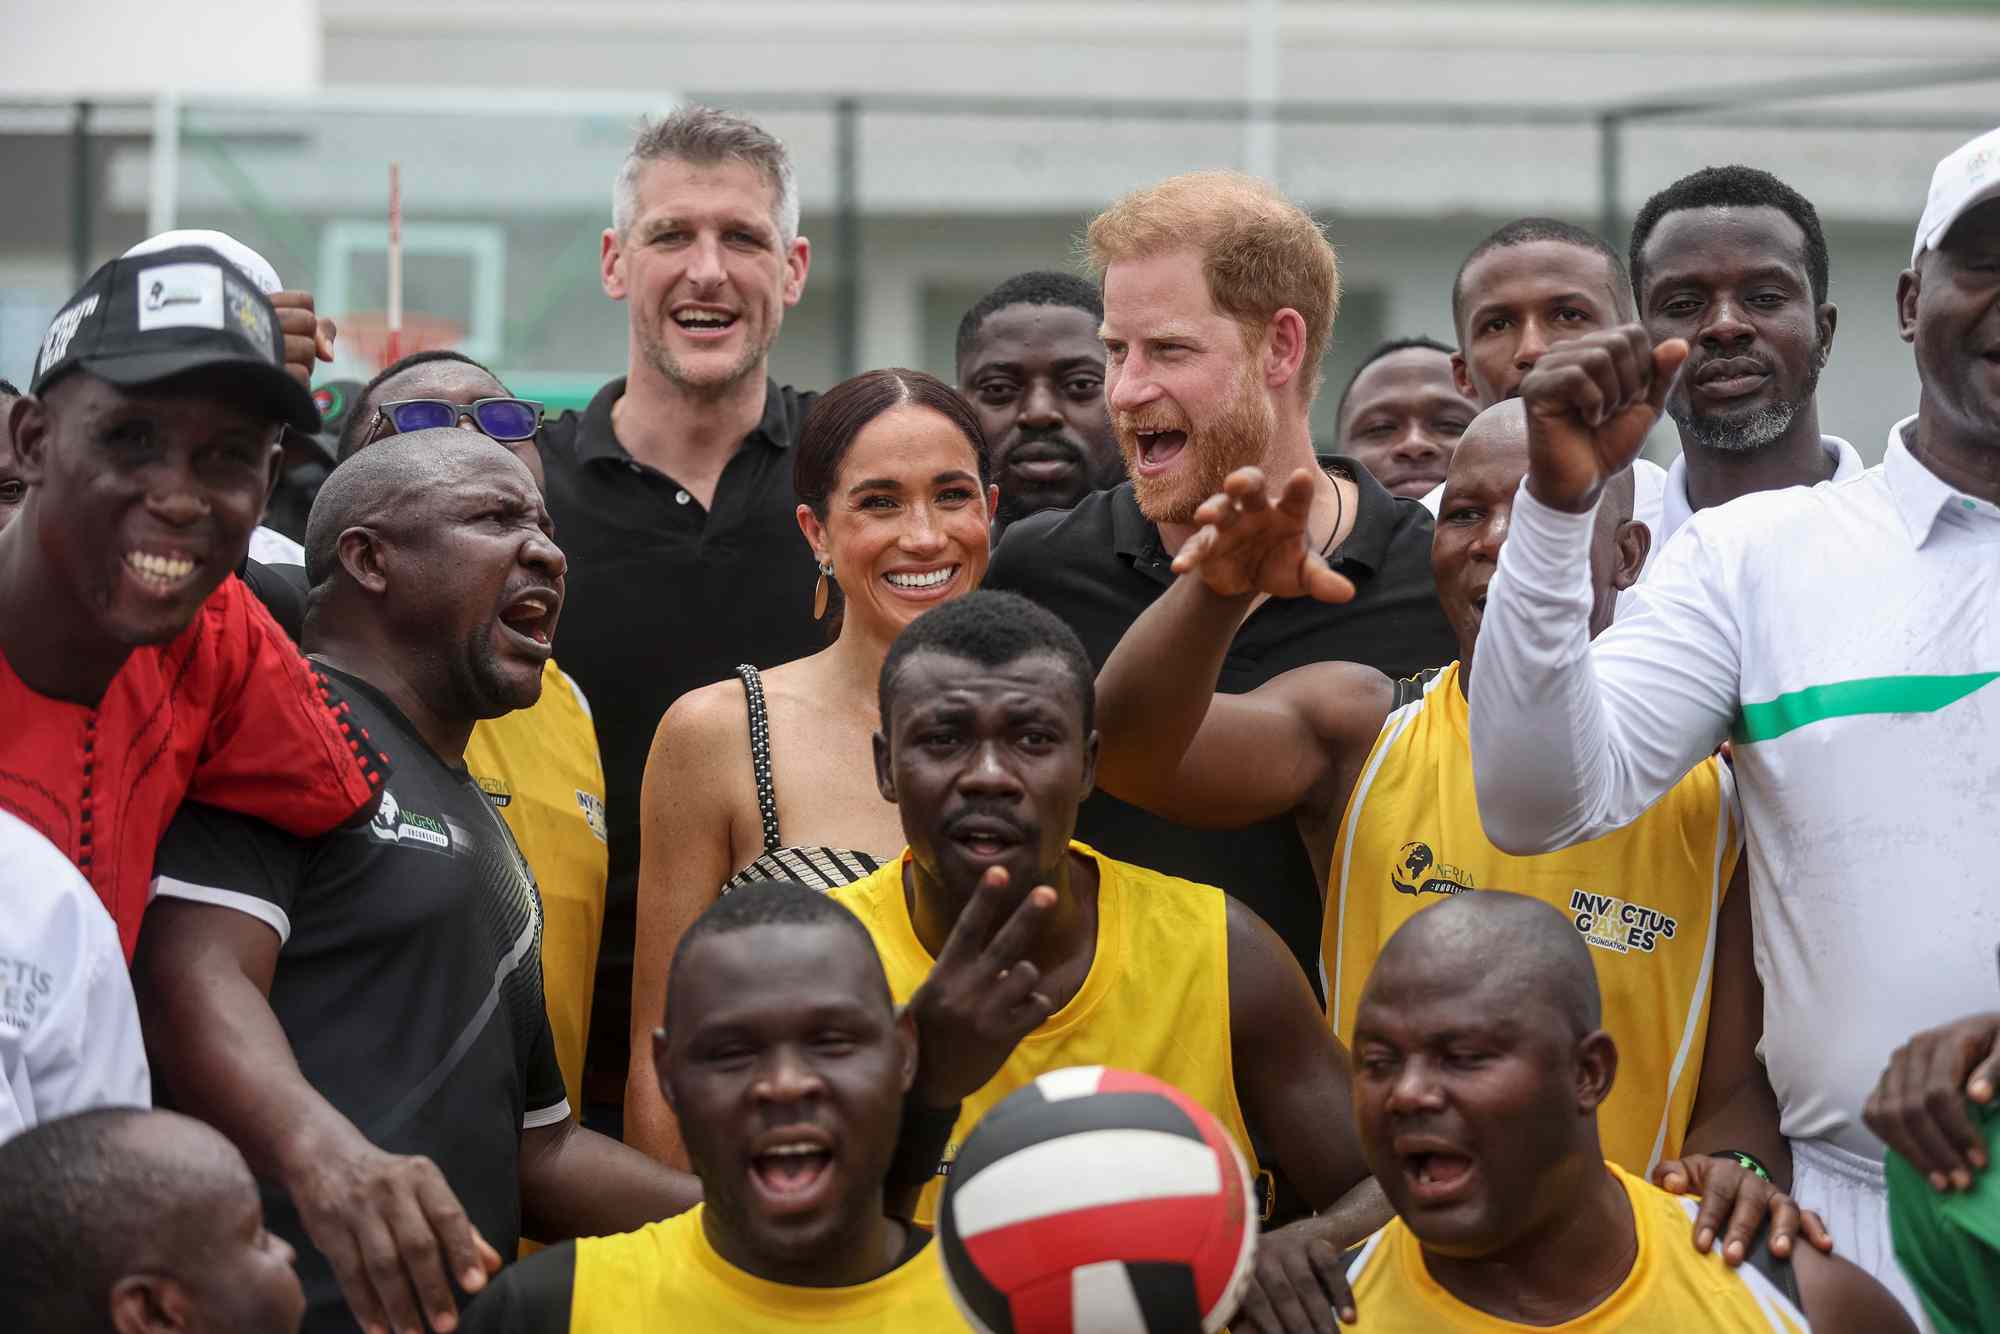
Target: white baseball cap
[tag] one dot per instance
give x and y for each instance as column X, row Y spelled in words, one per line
column 246, row 261
column 1968, row 176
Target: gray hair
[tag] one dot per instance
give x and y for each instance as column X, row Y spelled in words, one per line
column 706, row 136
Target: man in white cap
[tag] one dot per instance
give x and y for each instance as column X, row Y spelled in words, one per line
column 308, row 336
column 1863, row 742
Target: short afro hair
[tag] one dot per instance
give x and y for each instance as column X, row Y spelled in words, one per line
column 773, row 903
column 1526, row 231
column 1042, row 287
column 1733, row 187
column 89, row 1199
column 361, row 416
column 1389, row 348
column 992, row 629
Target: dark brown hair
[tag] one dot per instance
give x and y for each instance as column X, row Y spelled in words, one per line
column 845, row 410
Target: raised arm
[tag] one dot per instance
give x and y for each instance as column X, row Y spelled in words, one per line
column 1571, row 740
column 1170, row 743
column 1292, row 1081
column 684, row 856
column 389, row 1224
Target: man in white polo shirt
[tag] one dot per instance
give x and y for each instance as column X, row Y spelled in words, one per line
column 1734, row 261
column 1847, row 637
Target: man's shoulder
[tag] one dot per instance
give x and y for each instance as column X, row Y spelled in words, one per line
column 1088, row 531
column 47, row 897
column 874, row 894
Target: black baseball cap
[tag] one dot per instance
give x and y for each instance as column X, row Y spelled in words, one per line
column 145, row 318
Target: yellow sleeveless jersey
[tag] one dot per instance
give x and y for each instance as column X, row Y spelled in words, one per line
column 1672, row 1289
column 667, row 1279
column 1156, row 999
column 1645, row 898
column 539, row 766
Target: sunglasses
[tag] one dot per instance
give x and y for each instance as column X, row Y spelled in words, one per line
column 498, row 418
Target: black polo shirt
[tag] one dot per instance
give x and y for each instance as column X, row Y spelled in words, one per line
column 1101, row 564
column 665, row 596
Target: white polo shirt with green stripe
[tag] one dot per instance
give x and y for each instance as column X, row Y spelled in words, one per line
column 1846, row 638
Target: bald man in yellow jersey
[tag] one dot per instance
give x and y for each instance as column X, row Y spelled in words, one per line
column 1379, row 775
column 987, row 750
column 1480, row 1063
column 539, row 766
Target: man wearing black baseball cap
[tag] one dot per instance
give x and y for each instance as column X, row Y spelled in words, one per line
column 135, row 669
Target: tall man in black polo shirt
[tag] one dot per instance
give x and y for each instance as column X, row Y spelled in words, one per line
column 362, row 1013
column 673, row 489
column 1219, row 300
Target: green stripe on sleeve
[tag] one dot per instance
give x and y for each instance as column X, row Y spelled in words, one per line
column 1842, row 699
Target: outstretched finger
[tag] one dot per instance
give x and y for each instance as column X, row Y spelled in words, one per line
column 1668, row 358
column 1324, row 582
column 1196, row 549
column 974, row 927
column 1010, row 943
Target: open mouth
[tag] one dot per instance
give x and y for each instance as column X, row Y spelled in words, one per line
column 1436, row 1176
column 789, row 1172
column 161, row 572
column 985, row 838
column 1159, row 449
column 704, row 319
column 919, row 583
column 531, row 617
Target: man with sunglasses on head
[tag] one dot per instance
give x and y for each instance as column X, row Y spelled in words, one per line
column 538, row 765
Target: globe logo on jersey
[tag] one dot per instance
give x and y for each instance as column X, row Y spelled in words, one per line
column 1418, row 871
column 393, row 824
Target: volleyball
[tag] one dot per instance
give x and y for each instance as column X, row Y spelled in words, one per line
column 1098, row 1201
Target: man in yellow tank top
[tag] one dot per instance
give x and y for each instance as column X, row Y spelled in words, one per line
column 1480, row 1063
column 1379, row 775
column 987, row 749
column 539, row 765
column 788, row 1080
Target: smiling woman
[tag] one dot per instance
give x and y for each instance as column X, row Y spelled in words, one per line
column 770, row 776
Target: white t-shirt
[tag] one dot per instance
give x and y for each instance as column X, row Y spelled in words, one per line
column 1846, row 636
column 69, row 1030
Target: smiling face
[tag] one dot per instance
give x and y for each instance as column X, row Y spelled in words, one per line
column 987, row 766
column 1188, row 398
column 144, row 499
column 1518, row 301
column 1734, row 283
column 706, row 274
column 786, row 1066
column 1949, row 308
column 1402, row 419
column 907, row 523
column 474, row 577
column 1035, row 377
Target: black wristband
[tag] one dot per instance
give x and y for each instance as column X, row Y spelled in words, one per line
column 920, row 1147
column 1747, row 1161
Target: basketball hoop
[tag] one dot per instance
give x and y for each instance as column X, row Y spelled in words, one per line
column 368, row 333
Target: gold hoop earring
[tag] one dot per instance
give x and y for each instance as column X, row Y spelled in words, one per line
column 821, row 591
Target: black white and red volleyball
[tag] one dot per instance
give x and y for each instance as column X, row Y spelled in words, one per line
column 1098, row 1201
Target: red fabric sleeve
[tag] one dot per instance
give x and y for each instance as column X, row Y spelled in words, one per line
column 281, row 746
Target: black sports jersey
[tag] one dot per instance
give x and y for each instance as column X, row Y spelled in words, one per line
column 409, row 982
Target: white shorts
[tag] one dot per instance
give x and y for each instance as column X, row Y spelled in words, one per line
column 1851, row 1194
